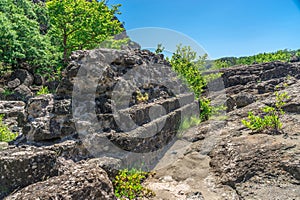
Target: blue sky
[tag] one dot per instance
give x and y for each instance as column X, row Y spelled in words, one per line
column 222, row 28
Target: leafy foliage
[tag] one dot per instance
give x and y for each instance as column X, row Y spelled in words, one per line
column 111, row 43
column 127, row 184
column 43, row 90
column 141, row 97
column 21, row 41
column 37, row 36
column 211, row 77
column 271, row 118
column 184, row 62
column 81, row 24
column 4, row 69
column 5, row 134
column 159, row 49
column 281, row 55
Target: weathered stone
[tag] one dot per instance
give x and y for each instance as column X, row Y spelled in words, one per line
column 14, row 83
column 77, row 181
column 244, row 99
column 14, row 114
column 256, row 73
column 20, row 167
column 70, row 150
column 230, row 104
column 3, row 145
column 62, row 107
column 22, row 92
column 52, row 85
column 39, row 80
column 109, row 164
column 39, row 114
column 24, row 76
column 295, row 59
column 40, row 106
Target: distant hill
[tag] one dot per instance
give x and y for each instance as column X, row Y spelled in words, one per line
column 281, row 55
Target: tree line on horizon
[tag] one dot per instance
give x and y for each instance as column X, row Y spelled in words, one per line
column 280, row 55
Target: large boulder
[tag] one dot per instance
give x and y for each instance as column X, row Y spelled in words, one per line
column 76, row 182
column 23, row 166
column 48, row 119
column 258, row 166
column 24, row 76
column 244, row 99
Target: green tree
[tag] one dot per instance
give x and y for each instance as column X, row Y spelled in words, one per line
column 21, row 41
column 81, row 24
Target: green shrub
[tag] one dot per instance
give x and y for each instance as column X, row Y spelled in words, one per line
column 43, row 90
column 5, row 134
column 211, row 77
column 220, row 64
column 271, row 119
column 185, row 64
column 81, row 24
column 127, row 184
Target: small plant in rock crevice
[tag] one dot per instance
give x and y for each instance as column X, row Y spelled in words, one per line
column 140, row 98
column 271, row 118
column 5, row 134
column 127, row 184
column 43, row 90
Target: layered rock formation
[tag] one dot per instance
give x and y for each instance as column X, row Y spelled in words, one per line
column 97, row 111
column 222, row 159
column 117, row 108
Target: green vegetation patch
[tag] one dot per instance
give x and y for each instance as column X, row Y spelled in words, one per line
column 271, row 119
column 128, row 184
column 43, row 90
column 281, row 55
column 5, row 134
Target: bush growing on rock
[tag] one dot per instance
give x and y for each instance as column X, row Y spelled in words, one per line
column 184, row 62
column 271, row 119
column 127, row 184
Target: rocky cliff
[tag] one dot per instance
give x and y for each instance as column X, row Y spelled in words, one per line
column 116, row 108
column 222, row 159
column 122, row 107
